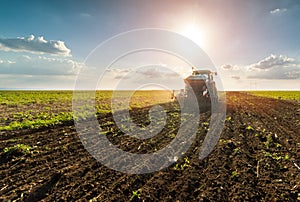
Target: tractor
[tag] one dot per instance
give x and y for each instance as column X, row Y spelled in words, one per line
column 201, row 85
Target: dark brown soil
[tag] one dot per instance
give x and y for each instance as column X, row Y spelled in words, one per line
column 256, row 159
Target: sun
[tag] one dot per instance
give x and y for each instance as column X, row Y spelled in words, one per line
column 194, row 33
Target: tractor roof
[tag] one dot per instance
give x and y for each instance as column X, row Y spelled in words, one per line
column 197, row 72
column 199, row 75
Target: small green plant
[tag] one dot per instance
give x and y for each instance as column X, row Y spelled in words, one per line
column 17, row 149
column 234, row 174
column 274, row 156
column 185, row 164
column 205, row 124
column 136, row 194
column 222, row 141
column 47, row 148
column 268, row 154
column 236, row 151
column 286, row 157
column 269, row 141
column 172, row 135
column 228, row 118
column 250, row 128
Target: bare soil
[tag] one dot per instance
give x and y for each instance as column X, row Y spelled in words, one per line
column 256, row 159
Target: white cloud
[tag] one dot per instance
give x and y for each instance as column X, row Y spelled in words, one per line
column 285, row 73
column 118, row 73
column 10, row 62
column 272, row 61
column 230, row 67
column 278, row 11
column 29, row 38
column 34, row 45
column 227, row 67
column 40, row 65
column 272, row 67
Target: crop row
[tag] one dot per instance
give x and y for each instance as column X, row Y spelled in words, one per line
column 34, row 109
column 285, row 95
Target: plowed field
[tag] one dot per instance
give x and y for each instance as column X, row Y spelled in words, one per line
column 256, row 159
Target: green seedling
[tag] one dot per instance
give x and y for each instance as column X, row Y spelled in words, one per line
column 274, row 156
column 228, row 118
column 269, row 141
column 286, row 157
column 222, row 141
column 185, row 164
column 135, row 194
column 236, row 151
column 250, row 128
column 17, row 149
column 234, row 174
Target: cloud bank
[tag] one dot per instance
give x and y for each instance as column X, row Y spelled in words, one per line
column 275, row 67
column 273, row 61
column 271, row 67
column 39, row 65
column 278, row 11
column 34, row 45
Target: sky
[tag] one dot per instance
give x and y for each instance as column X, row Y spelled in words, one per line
column 253, row 45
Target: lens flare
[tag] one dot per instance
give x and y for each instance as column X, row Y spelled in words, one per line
column 194, row 33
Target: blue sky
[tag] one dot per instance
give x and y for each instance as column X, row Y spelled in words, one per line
column 253, row 44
